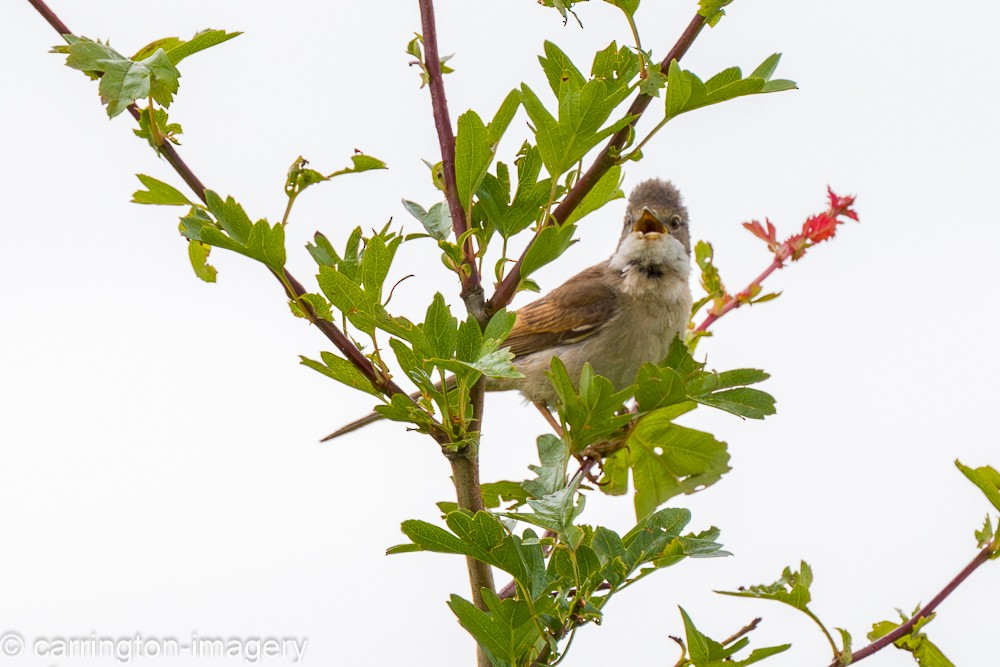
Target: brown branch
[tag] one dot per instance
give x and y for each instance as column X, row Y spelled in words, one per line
column 472, row 289
column 293, row 288
column 880, row 643
column 605, row 160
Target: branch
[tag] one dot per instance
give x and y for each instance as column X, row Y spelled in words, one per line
column 293, row 287
column 605, row 160
column 880, row 643
column 815, row 229
column 472, row 289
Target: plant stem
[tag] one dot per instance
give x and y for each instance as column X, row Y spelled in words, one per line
column 734, row 301
column 606, row 159
column 826, row 633
column 292, row 287
column 984, row 555
column 472, row 289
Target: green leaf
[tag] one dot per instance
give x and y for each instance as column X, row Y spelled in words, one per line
column 342, row 371
column 925, row 652
column 124, row 82
column 440, row 329
column 985, row 536
column 178, row 49
column 158, row 192
column 589, row 407
column 496, row 492
column 668, row 460
column 472, row 156
column 260, row 240
column 348, row 298
column 791, row 589
column 679, row 359
column 550, row 243
column 500, row 325
column 686, row 92
column 551, row 474
column 743, row 402
column 164, row 130
column 497, row 364
column 654, row 82
column 503, row 117
column 231, row 216
column 88, row 55
column 320, row 307
column 359, row 163
column 198, row 254
column 437, row 220
column 606, row 190
column 375, row 263
column 707, row 383
column 712, row 10
column 509, row 634
column 986, row 478
column 558, row 67
column 322, row 252
column 433, row 538
column 628, row 6
column 658, row 387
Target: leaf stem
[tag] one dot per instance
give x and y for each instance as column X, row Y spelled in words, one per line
column 826, row 633
column 638, row 44
column 605, row 160
column 635, row 151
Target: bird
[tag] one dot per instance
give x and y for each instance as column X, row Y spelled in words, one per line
column 616, row 315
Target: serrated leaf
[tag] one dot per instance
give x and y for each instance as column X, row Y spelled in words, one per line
column 126, row 81
column 159, row 193
column 658, row 387
column 359, row 163
column 341, row 370
column 558, row 66
column 668, row 460
column 178, row 49
column 628, row 6
column 606, row 190
column 503, row 117
column 437, row 220
column 986, row 478
column 742, row 402
column 550, row 243
column 791, row 589
column 198, row 253
column 712, row 10
column 440, row 329
column 472, row 156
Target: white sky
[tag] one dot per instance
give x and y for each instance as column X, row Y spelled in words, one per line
column 161, row 472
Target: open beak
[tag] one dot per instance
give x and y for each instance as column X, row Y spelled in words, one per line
column 648, row 224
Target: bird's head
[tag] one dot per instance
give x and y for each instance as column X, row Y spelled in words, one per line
column 655, row 237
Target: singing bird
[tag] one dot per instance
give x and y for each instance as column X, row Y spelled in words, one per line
column 616, row 315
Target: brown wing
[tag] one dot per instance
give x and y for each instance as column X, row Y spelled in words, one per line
column 573, row 311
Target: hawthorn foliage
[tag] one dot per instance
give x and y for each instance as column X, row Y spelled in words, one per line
column 562, row 571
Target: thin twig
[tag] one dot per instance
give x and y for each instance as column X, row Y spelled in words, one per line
column 735, row 302
column 292, row 286
column 745, row 630
column 472, row 290
column 605, row 160
column 880, row 643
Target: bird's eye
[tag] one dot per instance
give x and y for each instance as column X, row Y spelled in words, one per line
column 675, row 223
